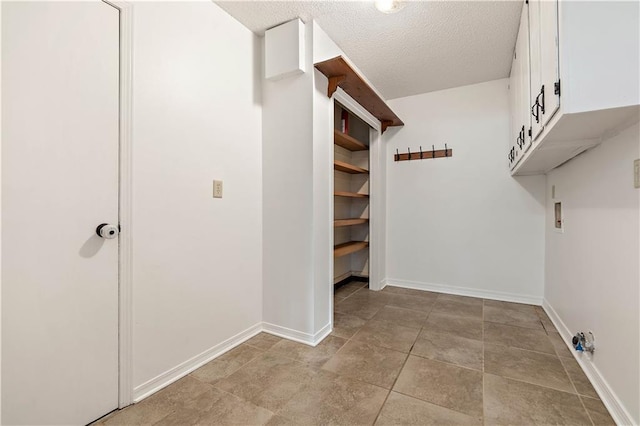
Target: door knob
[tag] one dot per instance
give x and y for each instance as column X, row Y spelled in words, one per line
column 107, row 231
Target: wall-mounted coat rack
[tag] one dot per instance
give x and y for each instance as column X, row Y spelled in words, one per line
column 423, row 155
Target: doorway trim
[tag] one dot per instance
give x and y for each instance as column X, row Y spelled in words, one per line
column 125, row 252
column 377, row 189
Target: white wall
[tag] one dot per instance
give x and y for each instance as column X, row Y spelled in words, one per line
column 592, row 269
column 323, row 48
column 287, row 185
column 463, row 224
column 298, row 198
column 197, row 117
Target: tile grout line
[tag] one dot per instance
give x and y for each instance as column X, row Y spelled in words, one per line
column 247, row 401
column 401, row 368
column 464, row 367
column 587, row 411
column 434, row 404
column 566, row 371
column 351, row 339
column 404, row 364
column 349, row 295
column 539, row 385
column 518, row 326
column 396, row 379
column 555, row 355
column 443, row 362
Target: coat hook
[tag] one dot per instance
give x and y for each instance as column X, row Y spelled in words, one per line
column 409, row 152
column 446, row 150
column 397, row 155
column 433, row 151
column 421, row 152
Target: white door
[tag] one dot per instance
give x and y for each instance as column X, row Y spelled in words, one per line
column 60, row 67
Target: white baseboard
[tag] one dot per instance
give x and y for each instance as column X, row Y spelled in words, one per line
column 181, row 370
column 349, row 274
column 381, row 285
column 165, row 379
column 606, row 394
column 297, row 336
column 341, row 277
column 465, row 291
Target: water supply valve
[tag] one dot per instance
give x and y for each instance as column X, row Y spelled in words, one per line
column 581, row 343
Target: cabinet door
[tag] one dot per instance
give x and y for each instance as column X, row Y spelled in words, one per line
column 514, row 108
column 522, row 47
column 549, row 69
column 535, row 56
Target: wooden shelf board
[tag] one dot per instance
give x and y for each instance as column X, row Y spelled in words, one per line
column 349, row 222
column 348, row 248
column 348, row 142
column 341, row 166
column 350, row 194
column 340, row 74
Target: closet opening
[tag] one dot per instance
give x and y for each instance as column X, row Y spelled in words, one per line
column 351, row 226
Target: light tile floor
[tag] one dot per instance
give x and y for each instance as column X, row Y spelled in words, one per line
column 395, row 357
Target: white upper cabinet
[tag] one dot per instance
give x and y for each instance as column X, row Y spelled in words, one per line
column 584, row 63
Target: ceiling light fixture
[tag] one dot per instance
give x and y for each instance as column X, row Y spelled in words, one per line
column 389, row 6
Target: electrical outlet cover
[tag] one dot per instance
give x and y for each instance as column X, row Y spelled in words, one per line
column 217, row 189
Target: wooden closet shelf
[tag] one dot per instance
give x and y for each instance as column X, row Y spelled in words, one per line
column 350, row 194
column 341, row 74
column 348, row 222
column 348, row 142
column 348, row 248
column 348, row 168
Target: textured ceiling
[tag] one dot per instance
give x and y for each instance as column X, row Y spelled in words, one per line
column 427, row 46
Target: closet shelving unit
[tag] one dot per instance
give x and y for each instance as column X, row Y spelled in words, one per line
column 351, row 197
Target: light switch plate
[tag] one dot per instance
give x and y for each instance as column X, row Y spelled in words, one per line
column 217, row 189
column 636, row 173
